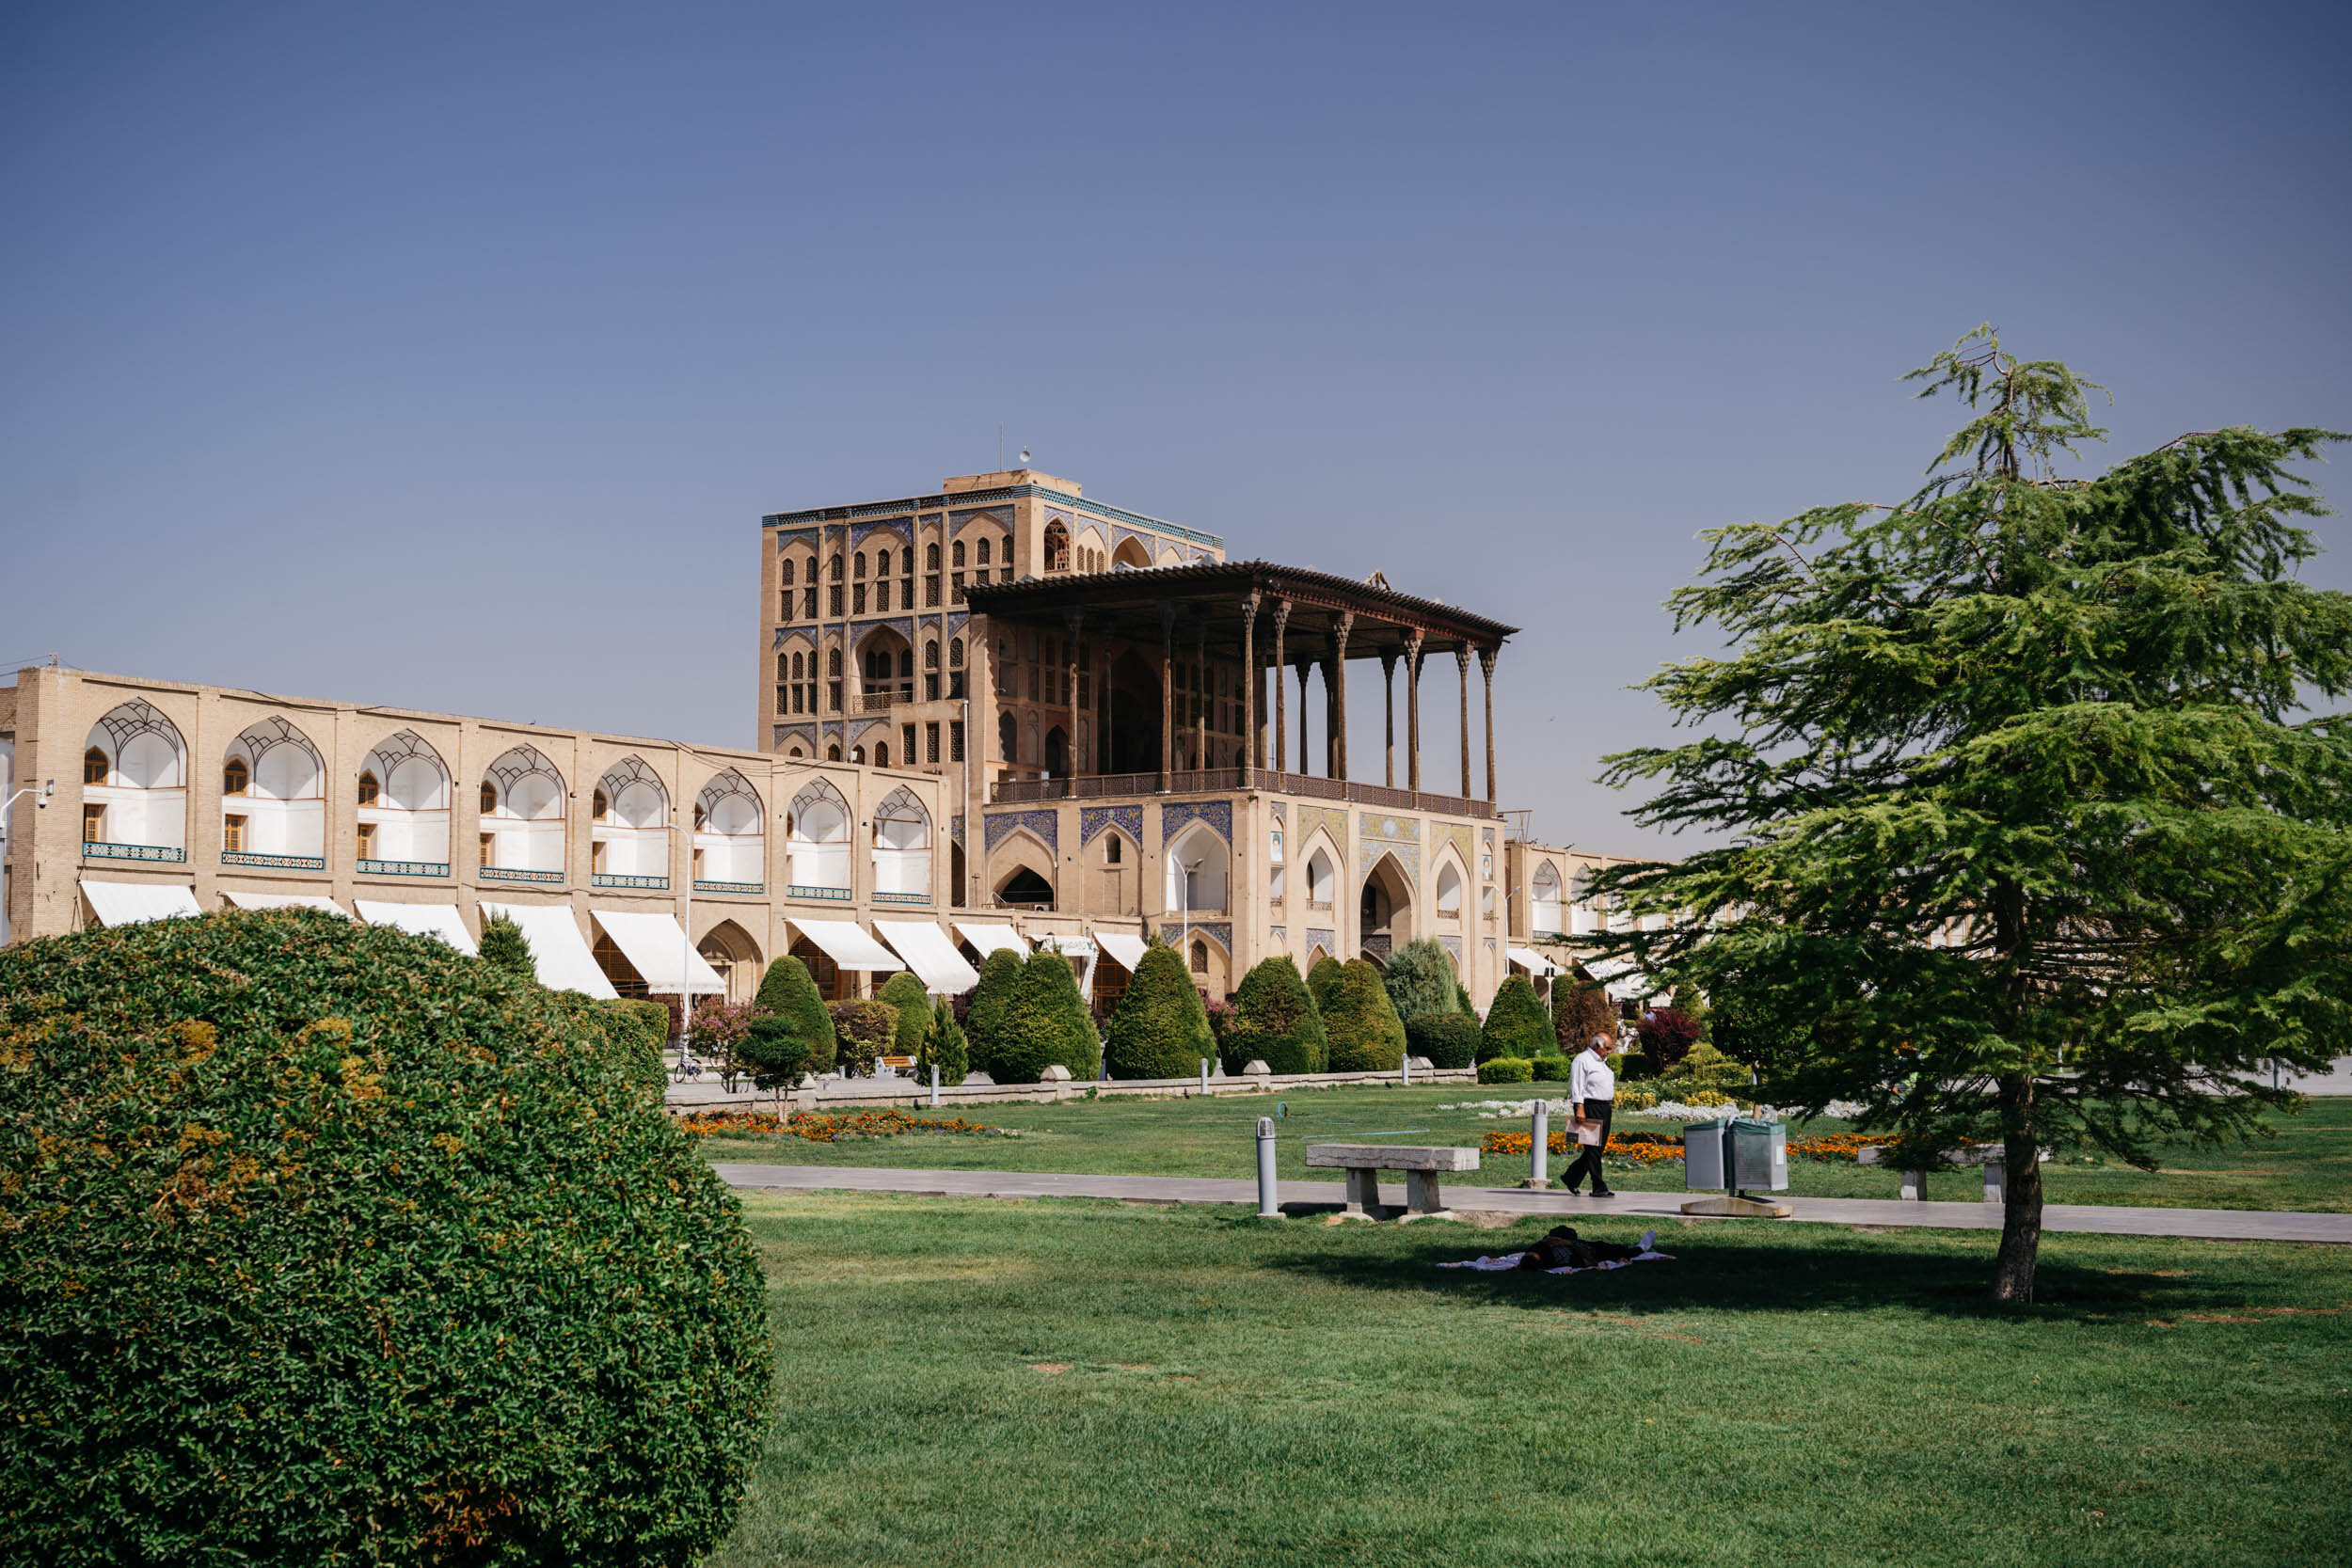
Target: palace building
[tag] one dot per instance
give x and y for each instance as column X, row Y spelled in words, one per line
column 997, row 715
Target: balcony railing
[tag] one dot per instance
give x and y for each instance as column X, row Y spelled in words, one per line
column 98, row 850
column 609, row 878
column 703, row 886
column 404, row 868
column 801, row 890
column 1089, row 787
column 902, row 898
column 273, row 863
column 513, row 874
column 883, row 702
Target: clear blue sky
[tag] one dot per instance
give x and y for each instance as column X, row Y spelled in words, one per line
column 447, row 356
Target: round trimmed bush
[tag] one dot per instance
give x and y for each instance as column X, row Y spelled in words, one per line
column 328, row 1244
column 904, row 991
column 1275, row 1021
column 1516, row 1023
column 1363, row 1032
column 1446, row 1039
column 1046, row 1023
column 1160, row 1029
column 1507, row 1069
column 789, row 991
column 1000, row 973
column 1419, row 979
column 1549, row 1070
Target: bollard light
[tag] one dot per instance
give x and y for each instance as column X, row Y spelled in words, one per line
column 935, row 1086
column 1539, row 1146
column 1268, row 1209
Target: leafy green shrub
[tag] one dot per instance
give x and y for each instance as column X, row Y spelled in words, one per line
column 1579, row 1010
column 1631, row 1064
column 1361, row 1025
column 641, row 1029
column 1711, row 1069
column 1045, row 1021
column 943, row 1048
column 1419, row 979
column 1633, row 1099
column 1000, row 973
column 1275, row 1022
column 864, row 1031
column 1667, row 1036
column 504, row 946
column 1550, row 1068
column 1516, row 1024
column 1507, row 1069
column 786, row 991
column 774, row 1054
column 327, row 1244
column 1320, row 976
column 1160, row 1029
column 1448, row 1039
column 904, row 990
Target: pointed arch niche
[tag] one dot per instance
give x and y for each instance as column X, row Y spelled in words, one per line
column 730, row 836
column 628, row 827
column 902, row 849
column 523, row 818
column 135, row 786
column 817, row 836
column 404, row 808
column 1544, row 889
column 1196, row 864
column 273, row 799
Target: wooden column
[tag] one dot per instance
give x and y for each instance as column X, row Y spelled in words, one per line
column 1388, row 713
column 1281, row 736
column 1168, row 689
column 1486, row 663
column 1413, row 710
column 1200, row 690
column 1306, row 755
column 1461, row 662
column 1252, row 743
column 1341, row 630
column 1072, row 620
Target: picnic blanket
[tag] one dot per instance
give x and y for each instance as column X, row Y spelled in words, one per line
column 1511, row 1261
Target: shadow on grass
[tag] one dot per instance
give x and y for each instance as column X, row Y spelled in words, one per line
column 1710, row 1268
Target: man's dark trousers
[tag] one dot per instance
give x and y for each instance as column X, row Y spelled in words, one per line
column 1588, row 1157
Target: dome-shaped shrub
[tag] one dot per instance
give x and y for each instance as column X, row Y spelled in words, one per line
column 1000, row 971
column 789, row 992
column 1516, row 1023
column 1275, row 1022
column 1446, row 1039
column 1362, row 1028
column 1160, row 1029
column 904, row 990
column 327, row 1244
column 1045, row 1023
column 1419, row 979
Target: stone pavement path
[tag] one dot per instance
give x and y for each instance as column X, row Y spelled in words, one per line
column 2214, row 1224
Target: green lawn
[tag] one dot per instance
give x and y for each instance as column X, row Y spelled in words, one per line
column 1060, row 1382
column 2306, row 1164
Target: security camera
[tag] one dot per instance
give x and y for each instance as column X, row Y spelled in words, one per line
column 42, row 800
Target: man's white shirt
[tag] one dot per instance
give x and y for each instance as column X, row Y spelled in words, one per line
column 1589, row 1078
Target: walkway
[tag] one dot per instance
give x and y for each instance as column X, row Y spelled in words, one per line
column 2234, row 1225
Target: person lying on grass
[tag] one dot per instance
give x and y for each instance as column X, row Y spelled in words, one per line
column 1561, row 1248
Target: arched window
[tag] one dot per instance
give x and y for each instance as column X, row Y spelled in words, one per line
column 1319, row 879
column 729, row 825
column 930, row 558
column 234, row 777
column 955, row 553
column 783, row 572
column 859, row 569
column 833, row 753
column 1545, row 890
column 902, row 844
column 834, row 567
column 1111, row 851
column 279, row 782
column 1056, row 547
column 368, row 789
column 955, row 654
column 1199, row 958
column 1007, row 739
column 631, row 835
column 523, row 810
column 816, row 833
column 931, row 653
column 597, row 807
column 983, row 550
column 489, row 798
column 1196, row 869
column 797, row 670
column 404, row 802
column 1449, row 892
column 906, row 561
column 881, row 753
column 833, row 663
column 93, row 766
column 857, row 753
column 135, row 758
column 784, row 666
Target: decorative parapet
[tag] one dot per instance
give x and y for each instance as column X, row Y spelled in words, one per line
column 902, row 898
column 834, row 895
column 753, row 888
column 97, row 850
column 1220, row 931
column 606, row 879
column 273, row 863
column 511, row 874
column 403, row 868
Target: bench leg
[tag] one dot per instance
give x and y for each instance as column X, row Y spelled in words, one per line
column 1363, row 1190
column 1914, row 1186
column 1421, row 1193
column 1995, row 1182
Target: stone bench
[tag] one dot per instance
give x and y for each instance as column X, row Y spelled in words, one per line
column 1365, row 1162
column 1988, row 1155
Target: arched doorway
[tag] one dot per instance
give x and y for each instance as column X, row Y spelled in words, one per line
column 729, row 949
column 885, row 663
column 1131, row 555
column 1384, row 910
column 1134, row 740
column 1058, row 752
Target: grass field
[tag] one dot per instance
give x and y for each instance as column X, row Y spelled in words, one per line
column 1059, row 1381
column 2306, row 1164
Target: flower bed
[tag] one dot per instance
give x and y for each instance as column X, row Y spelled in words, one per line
column 1837, row 1147
column 1643, row 1149
column 821, row 1128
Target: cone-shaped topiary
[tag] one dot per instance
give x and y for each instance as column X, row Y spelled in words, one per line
column 904, row 991
column 1321, row 977
column 1361, row 1026
column 1419, row 979
column 505, row 946
column 341, row 1250
column 1000, row 971
column 1516, row 1024
column 1275, row 1022
column 1160, row 1029
column 788, row 992
column 943, row 1048
column 1446, row 1039
column 1580, row 1010
column 1046, row 1023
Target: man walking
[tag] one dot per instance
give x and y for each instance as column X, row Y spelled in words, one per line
column 1591, row 1091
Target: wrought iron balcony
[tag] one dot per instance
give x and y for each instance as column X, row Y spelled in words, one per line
column 1090, row 786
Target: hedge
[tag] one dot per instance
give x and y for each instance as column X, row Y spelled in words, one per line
column 328, row 1246
column 1419, row 979
column 1275, row 1022
column 1361, row 1026
column 786, row 991
column 904, row 991
column 1046, row 1023
column 1516, row 1024
column 865, row 1030
column 1507, row 1069
column 1000, row 973
column 1446, row 1039
column 1159, row 1029
column 1550, row 1067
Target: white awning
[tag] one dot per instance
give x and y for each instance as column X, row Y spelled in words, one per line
column 1126, row 949
column 1532, row 961
column 1623, row 982
column 128, row 903
column 419, row 920
column 656, row 944
column 988, row 936
column 930, row 955
column 847, row 945
column 287, row 901
column 557, row 949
